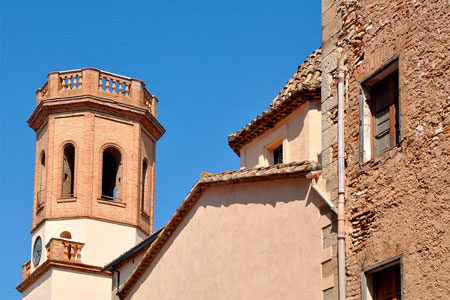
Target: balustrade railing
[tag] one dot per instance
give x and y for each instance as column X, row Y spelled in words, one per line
column 64, row 250
column 114, row 84
column 26, row 270
column 72, row 80
column 98, row 83
column 44, row 91
column 148, row 100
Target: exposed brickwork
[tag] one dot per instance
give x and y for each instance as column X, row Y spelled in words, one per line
column 91, row 124
column 399, row 203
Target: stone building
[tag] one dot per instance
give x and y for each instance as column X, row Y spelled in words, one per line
column 394, row 58
column 343, row 189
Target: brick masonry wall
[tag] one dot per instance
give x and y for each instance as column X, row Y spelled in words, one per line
column 90, row 133
column 398, row 203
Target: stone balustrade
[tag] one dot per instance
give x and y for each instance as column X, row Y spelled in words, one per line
column 114, row 84
column 26, row 270
column 90, row 81
column 64, row 250
column 71, row 80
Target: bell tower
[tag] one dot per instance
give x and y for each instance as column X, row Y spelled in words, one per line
column 96, row 135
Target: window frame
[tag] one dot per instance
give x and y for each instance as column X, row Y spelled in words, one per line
column 145, row 186
column 75, row 161
column 367, row 111
column 115, row 198
column 270, row 147
column 367, row 273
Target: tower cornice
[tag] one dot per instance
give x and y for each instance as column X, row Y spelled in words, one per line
column 88, row 102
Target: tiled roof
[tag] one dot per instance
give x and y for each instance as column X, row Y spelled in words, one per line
column 133, row 252
column 274, row 172
column 303, row 86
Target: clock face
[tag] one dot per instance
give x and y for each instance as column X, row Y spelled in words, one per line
column 37, row 251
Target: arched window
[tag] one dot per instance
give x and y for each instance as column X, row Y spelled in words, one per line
column 66, row 235
column 144, row 187
column 112, row 174
column 41, row 191
column 68, row 178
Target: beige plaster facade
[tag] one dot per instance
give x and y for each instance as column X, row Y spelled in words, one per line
column 245, row 241
column 64, row 284
column 96, row 235
column 297, row 133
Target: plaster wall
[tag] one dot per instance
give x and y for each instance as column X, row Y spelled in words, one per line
column 299, row 133
column 127, row 269
column 74, row 285
column 103, row 241
column 41, row 289
column 243, row 241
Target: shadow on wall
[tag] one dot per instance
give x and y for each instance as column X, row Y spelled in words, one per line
column 240, row 229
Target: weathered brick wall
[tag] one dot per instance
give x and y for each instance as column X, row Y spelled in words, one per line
column 399, row 203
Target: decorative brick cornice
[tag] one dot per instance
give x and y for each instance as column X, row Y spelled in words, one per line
column 96, row 104
column 274, row 172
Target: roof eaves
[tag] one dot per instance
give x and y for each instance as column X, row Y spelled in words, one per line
column 133, row 251
column 305, row 82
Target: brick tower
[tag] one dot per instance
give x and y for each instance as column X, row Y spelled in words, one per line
column 96, row 136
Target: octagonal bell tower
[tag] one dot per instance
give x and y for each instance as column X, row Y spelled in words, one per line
column 96, row 135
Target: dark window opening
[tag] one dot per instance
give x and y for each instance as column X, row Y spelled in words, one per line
column 386, row 284
column 144, row 184
column 40, row 193
column 68, row 178
column 384, row 101
column 278, row 155
column 112, row 174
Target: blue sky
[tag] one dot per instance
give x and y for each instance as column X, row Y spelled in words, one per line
column 214, row 66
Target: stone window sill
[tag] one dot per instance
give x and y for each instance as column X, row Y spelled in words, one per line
column 64, row 200
column 112, row 203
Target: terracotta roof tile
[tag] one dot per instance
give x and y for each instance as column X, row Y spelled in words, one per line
column 303, row 86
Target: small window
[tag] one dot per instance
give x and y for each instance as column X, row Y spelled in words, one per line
column 380, row 113
column 278, row 155
column 65, row 235
column 68, row 174
column 383, row 282
column 273, row 151
column 41, row 192
column 144, row 188
column 385, row 107
column 112, row 174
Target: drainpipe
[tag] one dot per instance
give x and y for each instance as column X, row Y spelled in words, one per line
column 118, row 283
column 341, row 187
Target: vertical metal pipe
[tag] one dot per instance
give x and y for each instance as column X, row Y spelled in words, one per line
column 118, row 283
column 341, row 184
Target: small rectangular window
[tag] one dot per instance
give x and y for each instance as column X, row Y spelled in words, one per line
column 384, row 104
column 379, row 112
column 383, row 281
column 278, row 155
